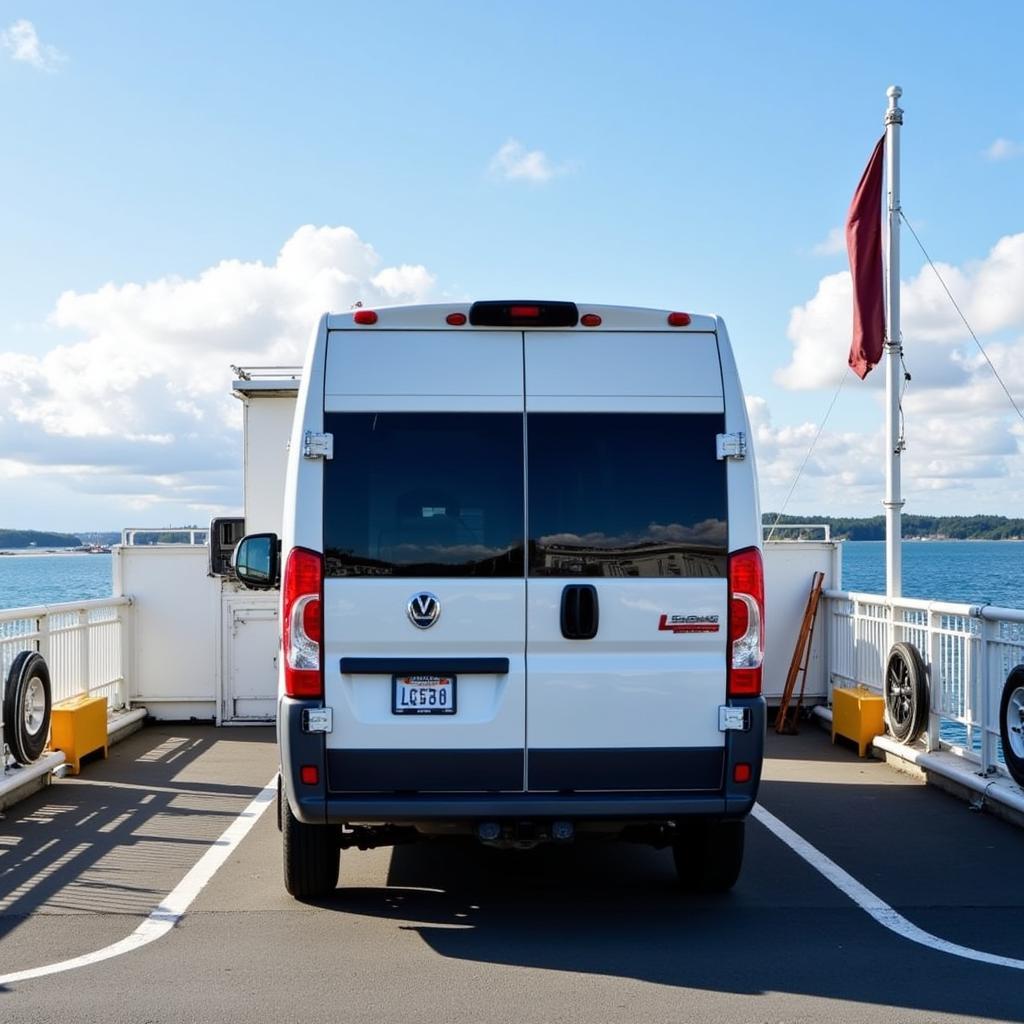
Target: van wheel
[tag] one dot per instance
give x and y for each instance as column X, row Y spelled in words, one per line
column 27, row 704
column 311, row 856
column 709, row 855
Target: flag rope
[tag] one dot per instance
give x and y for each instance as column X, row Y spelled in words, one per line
column 796, row 479
column 970, row 329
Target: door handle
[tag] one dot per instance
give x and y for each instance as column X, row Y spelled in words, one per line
column 580, row 614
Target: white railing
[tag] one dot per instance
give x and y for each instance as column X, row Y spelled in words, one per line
column 969, row 651
column 85, row 644
column 189, row 536
column 268, row 372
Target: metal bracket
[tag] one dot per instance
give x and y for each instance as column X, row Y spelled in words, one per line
column 317, row 446
column 733, row 719
column 731, row 446
column 318, row 720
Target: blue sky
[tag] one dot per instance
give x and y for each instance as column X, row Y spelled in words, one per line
column 691, row 156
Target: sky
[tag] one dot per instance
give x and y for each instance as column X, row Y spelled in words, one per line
column 186, row 187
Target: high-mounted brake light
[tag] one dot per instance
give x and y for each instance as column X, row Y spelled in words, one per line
column 523, row 312
column 365, row 316
column 746, row 623
column 590, row 320
column 455, row 319
column 302, row 592
column 679, row 319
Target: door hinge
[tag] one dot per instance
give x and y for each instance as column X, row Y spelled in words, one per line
column 317, row 446
column 731, row 446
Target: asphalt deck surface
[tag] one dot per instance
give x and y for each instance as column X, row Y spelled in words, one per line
column 450, row 931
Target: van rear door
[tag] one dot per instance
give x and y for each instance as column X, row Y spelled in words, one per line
column 627, row 561
column 424, row 596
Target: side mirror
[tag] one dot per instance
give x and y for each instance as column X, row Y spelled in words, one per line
column 255, row 561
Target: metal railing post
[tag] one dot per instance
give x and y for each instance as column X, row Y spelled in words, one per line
column 931, row 739
column 125, row 622
column 43, row 637
column 83, row 649
column 968, row 680
column 989, row 634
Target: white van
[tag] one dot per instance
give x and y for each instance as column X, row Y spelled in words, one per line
column 522, row 589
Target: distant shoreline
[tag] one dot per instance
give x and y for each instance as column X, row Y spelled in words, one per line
column 46, row 552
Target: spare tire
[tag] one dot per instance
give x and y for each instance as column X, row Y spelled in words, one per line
column 906, row 693
column 27, row 703
column 1011, row 723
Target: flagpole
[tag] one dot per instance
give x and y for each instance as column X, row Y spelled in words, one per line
column 893, row 351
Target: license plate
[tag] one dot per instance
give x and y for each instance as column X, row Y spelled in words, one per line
column 423, row 695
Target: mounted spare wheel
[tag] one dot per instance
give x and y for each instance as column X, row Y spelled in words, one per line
column 1011, row 723
column 906, row 693
column 27, row 704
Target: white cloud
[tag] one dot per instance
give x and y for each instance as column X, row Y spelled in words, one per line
column 22, row 42
column 961, row 457
column 964, row 440
column 1003, row 149
column 140, row 406
column 832, row 244
column 989, row 291
column 514, row 162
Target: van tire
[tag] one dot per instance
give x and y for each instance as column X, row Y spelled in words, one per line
column 709, row 855
column 311, row 856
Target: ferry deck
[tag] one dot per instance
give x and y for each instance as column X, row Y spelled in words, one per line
column 148, row 889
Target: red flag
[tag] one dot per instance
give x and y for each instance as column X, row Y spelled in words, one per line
column 864, row 244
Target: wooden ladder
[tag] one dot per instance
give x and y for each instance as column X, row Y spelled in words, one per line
column 784, row 722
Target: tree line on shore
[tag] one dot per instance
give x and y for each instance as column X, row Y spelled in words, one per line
column 38, row 539
column 914, row 526
column 842, row 527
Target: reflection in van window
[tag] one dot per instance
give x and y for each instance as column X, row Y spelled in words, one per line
column 626, row 494
column 424, row 494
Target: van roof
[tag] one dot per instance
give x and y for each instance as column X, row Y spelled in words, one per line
column 434, row 316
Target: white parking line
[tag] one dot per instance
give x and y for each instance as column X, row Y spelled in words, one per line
column 165, row 916
column 869, row 902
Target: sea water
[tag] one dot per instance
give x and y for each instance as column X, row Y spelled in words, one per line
column 967, row 571
column 961, row 571
column 27, row 580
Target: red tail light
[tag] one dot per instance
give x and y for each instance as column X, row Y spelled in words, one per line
column 746, row 623
column 302, row 623
column 524, row 312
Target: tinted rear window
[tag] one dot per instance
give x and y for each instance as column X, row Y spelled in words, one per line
column 424, row 494
column 624, row 494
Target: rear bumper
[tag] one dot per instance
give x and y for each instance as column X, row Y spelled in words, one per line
column 316, row 804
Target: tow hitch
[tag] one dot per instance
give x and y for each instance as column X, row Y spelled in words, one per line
column 524, row 835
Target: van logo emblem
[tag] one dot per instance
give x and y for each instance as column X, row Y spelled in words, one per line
column 423, row 609
column 688, row 623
